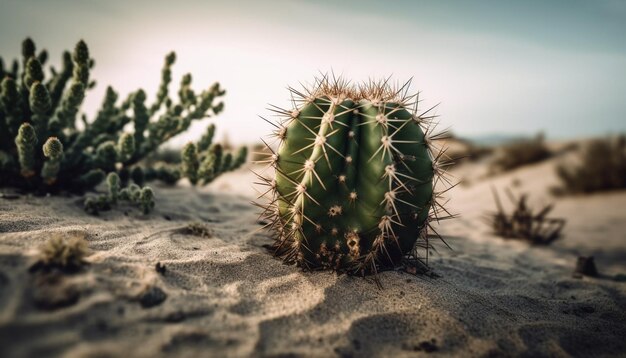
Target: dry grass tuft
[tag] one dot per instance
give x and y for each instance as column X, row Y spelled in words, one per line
column 524, row 222
column 602, row 167
column 64, row 251
column 198, row 229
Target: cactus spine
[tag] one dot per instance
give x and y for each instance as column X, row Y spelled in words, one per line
column 354, row 178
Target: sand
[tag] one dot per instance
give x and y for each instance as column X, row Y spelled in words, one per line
column 225, row 296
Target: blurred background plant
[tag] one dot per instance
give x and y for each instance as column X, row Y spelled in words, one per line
column 519, row 153
column 47, row 146
column 524, row 222
column 601, row 166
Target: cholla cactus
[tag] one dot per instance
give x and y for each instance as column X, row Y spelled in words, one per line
column 355, row 173
column 202, row 162
column 142, row 198
column 43, row 149
column 53, row 151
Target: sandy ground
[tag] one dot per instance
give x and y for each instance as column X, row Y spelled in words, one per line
column 226, row 296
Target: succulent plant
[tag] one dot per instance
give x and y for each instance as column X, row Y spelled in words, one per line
column 142, row 198
column 43, row 149
column 355, row 172
column 203, row 162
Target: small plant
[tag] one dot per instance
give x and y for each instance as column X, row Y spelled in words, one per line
column 355, row 172
column 133, row 194
column 44, row 149
column 201, row 164
column 520, row 153
column 66, row 252
column 602, row 167
column 197, row 229
column 524, row 222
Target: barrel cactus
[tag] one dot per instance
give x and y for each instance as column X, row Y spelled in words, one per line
column 355, row 172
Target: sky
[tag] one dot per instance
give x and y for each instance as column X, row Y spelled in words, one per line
column 495, row 67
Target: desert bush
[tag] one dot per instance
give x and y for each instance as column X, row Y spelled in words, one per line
column 602, row 166
column 44, row 149
column 524, row 222
column 520, row 153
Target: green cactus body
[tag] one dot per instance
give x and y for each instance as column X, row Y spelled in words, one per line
column 354, row 178
column 53, row 151
column 190, row 162
column 25, row 142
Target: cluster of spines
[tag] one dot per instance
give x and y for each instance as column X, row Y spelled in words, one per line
column 288, row 227
column 38, row 112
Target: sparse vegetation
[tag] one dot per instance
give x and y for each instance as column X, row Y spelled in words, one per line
column 602, row 167
column 142, row 198
column 64, row 251
column 197, row 229
column 524, row 222
column 520, row 153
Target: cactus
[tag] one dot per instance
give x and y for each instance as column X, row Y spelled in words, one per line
column 42, row 148
column 355, row 172
column 142, row 198
column 25, row 142
column 53, row 150
column 206, row 166
column 201, row 162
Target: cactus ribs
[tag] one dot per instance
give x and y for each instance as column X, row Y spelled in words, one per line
column 355, row 173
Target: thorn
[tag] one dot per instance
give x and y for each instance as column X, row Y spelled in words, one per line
column 381, row 119
column 309, row 165
column 335, row 210
column 319, row 140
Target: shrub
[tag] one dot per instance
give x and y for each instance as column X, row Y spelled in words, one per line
column 602, row 167
column 520, row 153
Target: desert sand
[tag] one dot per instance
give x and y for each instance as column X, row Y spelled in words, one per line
column 226, row 296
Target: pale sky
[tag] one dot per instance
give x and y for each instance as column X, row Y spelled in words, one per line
column 496, row 67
